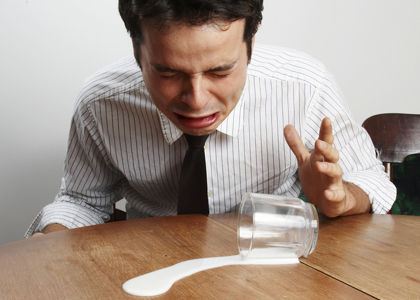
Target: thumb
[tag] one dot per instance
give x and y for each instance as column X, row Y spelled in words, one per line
column 295, row 143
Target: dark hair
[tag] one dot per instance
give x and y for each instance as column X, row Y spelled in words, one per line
column 191, row 13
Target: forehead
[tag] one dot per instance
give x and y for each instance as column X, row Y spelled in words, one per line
column 156, row 24
column 180, row 44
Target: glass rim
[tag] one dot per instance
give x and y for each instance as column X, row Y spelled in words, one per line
column 247, row 197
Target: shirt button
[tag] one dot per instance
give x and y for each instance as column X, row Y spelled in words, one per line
column 208, row 194
column 205, row 147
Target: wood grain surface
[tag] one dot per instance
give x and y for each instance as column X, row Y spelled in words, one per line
column 376, row 254
column 93, row 263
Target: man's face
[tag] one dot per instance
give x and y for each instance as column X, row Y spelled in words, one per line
column 195, row 75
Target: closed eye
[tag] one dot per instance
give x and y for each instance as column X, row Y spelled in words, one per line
column 168, row 77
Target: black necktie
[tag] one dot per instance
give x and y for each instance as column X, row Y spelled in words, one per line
column 192, row 197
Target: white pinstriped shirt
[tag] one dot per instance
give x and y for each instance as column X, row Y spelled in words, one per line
column 122, row 146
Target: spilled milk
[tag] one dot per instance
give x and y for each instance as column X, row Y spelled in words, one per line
column 160, row 281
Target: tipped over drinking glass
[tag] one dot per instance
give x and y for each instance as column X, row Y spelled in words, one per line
column 271, row 226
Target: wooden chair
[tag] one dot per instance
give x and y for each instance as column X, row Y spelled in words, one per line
column 395, row 136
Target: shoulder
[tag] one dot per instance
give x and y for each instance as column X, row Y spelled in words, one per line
column 278, row 63
column 119, row 77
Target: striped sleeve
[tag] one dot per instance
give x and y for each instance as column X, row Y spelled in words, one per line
column 90, row 184
column 357, row 153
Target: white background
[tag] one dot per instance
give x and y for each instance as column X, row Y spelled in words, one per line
column 48, row 48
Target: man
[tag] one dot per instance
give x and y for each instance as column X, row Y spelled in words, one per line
column 271, row 116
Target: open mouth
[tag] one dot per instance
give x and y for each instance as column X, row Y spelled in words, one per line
column 198, row 122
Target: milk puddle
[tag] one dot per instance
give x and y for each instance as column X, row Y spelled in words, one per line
column 160, row 281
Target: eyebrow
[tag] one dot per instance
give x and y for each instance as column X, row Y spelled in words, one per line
column 163, row 68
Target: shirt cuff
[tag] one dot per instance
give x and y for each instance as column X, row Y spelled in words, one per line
column 381, row 192
column 67, row 214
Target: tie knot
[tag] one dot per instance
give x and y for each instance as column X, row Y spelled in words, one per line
column 196, row 141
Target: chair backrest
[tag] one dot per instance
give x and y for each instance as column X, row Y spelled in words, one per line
column 395, row 136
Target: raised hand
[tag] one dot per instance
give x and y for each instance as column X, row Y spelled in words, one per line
column 321, row 175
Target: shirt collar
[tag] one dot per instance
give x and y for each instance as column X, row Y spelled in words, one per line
column 232, row 125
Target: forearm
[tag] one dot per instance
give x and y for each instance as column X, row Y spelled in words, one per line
column 69, row 215
column 356, row 201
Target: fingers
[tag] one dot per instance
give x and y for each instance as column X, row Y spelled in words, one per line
column 327, row 152
column 326, row 132
column 323, row 149
column 335, row 195
column 331, row 170
column 295, row 143
column 323, row 146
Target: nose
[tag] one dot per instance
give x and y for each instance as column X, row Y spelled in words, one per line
column 195, row 92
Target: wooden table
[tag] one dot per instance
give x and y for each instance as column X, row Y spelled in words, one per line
column 376, row 254
column 358, row 257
